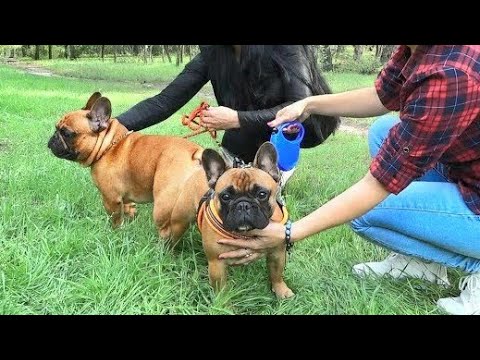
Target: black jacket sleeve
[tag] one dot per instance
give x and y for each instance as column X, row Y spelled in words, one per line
column 160, row 107
column 257, row 119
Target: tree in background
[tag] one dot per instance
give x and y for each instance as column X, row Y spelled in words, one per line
column 364, row 59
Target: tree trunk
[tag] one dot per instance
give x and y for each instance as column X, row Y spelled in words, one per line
column 357, row 52
column 66, row 52
column 102, row 52
column 72, row 52
column 114, row 53
column 145, row 52
column 49, row 52
column 326, row 57
column 24, row 50
column 162, row 53
column 135, row 50
column 37, row 52
column 179, row 55
column 151, row 54
column 165, row 47
column 386, row 52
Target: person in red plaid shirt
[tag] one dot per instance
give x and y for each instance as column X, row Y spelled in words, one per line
column 421, row 195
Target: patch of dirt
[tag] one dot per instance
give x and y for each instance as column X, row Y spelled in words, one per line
column 352, row 126
column 32, row 69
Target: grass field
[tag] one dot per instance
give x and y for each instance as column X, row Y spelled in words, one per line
column 58, row 254
column 159, row 72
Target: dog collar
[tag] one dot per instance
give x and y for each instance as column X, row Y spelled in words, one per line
column 104, row 143
column 208, row 212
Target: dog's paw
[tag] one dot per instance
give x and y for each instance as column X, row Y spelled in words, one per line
column 130, row 210
column 282, row 291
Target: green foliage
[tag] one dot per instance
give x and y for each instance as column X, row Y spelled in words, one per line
column 366, row 66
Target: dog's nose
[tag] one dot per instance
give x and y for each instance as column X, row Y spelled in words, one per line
column 50, row 142
column 244, row 206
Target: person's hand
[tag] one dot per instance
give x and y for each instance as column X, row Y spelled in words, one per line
column 220, row 118
column 253, row 249
column 296, row 111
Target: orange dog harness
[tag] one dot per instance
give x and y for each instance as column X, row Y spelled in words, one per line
column 207, row 212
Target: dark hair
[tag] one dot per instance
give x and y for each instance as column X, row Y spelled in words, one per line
column 238, row 82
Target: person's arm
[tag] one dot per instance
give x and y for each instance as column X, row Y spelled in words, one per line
column 358, row 103
column 160, row 107
column 355, row 103
column 372, row 101
column 352, row 203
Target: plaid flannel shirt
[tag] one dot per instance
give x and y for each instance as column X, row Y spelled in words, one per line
column 437, row 92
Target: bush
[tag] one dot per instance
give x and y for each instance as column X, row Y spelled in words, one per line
column 366, row 65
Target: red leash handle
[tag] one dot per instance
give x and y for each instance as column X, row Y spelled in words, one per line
column 197, row 128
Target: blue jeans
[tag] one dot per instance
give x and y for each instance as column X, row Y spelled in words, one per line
column 428, row 219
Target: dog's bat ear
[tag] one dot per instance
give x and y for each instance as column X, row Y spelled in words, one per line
column 100, row 114
column 95, row 96
column 214, row 166
column 266, row 159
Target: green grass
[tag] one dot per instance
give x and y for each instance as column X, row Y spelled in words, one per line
column 159, row 73
column 126, row 69
column 58, row 254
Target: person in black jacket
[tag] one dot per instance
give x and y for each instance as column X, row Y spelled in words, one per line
column 251, row 84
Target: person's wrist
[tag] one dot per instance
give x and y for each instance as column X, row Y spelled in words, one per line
column 295, row 236
column 307, row 106
column 288, row 235
column 236, row 119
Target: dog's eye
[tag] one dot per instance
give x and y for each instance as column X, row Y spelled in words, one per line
column 262, row 195
column 67, row 133
column 226, row 197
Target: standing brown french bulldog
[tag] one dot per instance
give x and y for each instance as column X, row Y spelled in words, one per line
column 127, row 167
column 175, row 174
column 233, row 201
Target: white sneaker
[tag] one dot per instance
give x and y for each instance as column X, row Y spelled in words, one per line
column 468, row 303
column 400, row 266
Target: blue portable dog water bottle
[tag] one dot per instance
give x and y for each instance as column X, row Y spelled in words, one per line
column 287, row 145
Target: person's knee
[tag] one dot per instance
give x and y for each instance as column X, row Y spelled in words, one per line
column 378, row 132
column 381, row 126
column 359, row 225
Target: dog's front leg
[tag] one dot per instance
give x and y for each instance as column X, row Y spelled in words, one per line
column 276, row 264
column 114, row 207
column 217, row 272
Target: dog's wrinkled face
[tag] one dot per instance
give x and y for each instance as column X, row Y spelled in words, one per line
column 245, row 197
column 77, row 131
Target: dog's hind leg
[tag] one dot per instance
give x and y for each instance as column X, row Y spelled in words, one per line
column 162, row 215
